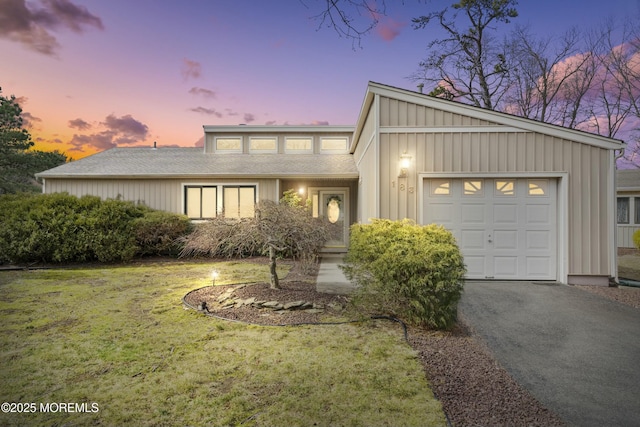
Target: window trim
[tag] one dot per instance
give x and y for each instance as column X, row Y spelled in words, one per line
column 334, row 150
column 225, row 151
column 185, row 203
column 296, row 151
column 219, row 193
column 628, row 216
column 269, row 151
column 238, row 186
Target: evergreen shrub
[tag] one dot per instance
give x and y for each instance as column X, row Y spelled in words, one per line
column 59, row 228
column 636, row 239
column 406, row 270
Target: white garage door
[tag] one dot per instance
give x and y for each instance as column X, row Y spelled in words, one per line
column 506, row 228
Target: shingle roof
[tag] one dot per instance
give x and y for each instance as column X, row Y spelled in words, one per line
column 193, row 162
column 628, row 179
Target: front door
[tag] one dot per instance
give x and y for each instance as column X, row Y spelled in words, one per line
column 332, row 206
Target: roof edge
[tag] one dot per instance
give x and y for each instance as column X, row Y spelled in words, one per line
column 484, row 114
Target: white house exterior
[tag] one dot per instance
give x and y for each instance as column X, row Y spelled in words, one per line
column 526, row 200
column 628, row 206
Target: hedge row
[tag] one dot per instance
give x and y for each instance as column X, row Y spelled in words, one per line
column 410, row 271
column 63, row 228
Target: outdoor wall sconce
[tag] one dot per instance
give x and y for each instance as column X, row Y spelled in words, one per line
column 214, row 276
column 405, row 162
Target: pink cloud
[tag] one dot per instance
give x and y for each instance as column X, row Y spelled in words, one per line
column 32, row 26
column 202, row 92
column 388, row 29
column 191, row 69
column 115, row 131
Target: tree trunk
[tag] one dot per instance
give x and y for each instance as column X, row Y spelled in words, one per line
column 275, row 284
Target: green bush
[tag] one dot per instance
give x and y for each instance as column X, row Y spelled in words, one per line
column 410, row 271
column 63, row 228
column 636, row 239
column 158, row 232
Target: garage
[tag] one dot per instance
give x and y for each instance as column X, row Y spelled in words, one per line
column 505, row 227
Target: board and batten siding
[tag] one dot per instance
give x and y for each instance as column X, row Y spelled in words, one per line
column 483, row 152
column 161, row 194
column 366, row 158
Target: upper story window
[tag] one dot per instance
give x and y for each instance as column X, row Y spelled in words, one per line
column 334, row 144
column 298, row 145
column 229, row 144
column 263, row 145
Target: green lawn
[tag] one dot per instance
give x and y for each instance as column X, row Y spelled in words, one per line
column 119, row 338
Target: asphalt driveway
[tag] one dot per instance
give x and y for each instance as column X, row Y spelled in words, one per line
column 577, row 353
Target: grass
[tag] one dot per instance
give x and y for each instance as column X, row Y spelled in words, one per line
column 119, row 337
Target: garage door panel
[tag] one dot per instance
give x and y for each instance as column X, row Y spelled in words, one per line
column 473, row 213
column 442, row 213
column 475, row 265
column 473, row 239
column 505, row 213
column 538, row 214
column 538, row 240
column 505, row 239
column 505, row 227
column 539, row 267
column 505, row 267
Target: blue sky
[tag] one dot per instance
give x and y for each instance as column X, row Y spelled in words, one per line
column 93, row 74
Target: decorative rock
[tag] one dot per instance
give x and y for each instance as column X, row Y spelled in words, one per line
column 335, row 306
column 313, row 310
column 272, row 304
column 293, row 305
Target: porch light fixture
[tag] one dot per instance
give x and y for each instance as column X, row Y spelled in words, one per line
column 214, row 276
column 405, row 162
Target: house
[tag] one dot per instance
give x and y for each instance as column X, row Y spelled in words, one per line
column 526, row 200
column 628, row 204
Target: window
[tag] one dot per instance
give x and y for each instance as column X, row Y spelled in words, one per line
column 229, row 145
column 505, row 188
column 333, row 144
column 623, row 210
column 538, row 187
column 263, row 145
column 298, row 144
column 200, row 201
column 473, row 188
column 637, row 207
column 239, row 201
column 440, row 187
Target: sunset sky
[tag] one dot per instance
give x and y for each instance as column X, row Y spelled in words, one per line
column 95, row 74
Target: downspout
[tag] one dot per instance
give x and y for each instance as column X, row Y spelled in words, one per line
column 617, row 156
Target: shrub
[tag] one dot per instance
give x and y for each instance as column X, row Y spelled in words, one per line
column 158, row 232
column 63, row 228
column 223, row 237
column 636, row 239
column 410, row 271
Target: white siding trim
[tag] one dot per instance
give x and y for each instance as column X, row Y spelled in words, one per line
column 451, row 129
column 376, row 132
column 613, row 219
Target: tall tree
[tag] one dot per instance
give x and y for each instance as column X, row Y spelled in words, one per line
column 468, row 63
column 18, row 164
